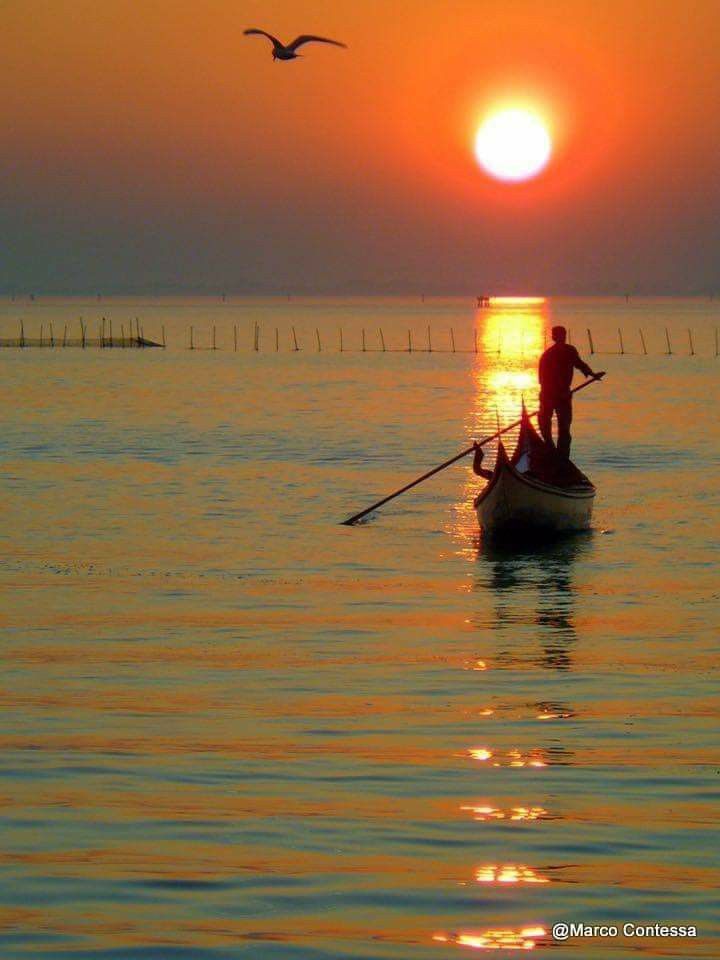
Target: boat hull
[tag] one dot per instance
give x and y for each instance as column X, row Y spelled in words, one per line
column 515, row 503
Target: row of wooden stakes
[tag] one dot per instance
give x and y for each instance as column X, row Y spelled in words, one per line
column 428, row 347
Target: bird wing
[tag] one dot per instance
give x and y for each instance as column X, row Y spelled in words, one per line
column 254, row 31
column 309, row 38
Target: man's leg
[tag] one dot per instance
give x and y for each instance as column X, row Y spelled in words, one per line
column 545, row 420
column 564, row 418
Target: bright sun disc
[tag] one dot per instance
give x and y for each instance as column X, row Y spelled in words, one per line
column 513, row 145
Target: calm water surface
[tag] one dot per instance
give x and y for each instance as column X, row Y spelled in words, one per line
column 234, row 728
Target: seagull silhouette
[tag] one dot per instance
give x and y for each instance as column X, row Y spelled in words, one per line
column 283, row 52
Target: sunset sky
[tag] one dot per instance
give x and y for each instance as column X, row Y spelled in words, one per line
column 152, row 147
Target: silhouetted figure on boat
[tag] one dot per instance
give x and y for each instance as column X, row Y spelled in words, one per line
column 478, row 468
column 555, row 373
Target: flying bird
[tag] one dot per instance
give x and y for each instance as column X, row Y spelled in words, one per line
column 283, row 52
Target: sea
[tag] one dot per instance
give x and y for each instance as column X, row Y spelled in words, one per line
column 234, row 727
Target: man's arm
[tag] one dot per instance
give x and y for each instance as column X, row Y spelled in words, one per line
column 580, row 365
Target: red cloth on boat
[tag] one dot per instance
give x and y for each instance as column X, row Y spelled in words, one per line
column 539, row 459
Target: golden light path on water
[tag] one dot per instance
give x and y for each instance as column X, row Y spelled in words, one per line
column 513, row 332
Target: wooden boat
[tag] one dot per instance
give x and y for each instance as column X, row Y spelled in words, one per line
column 536, row 492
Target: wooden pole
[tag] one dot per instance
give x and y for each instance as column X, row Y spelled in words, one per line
column 163, row 336
column 192, row 342
column 317, row 334
column 717, row 342
column 41, row 334
column 690, row 341
column 452, row 339
column 429, row 340
column 341, row 339
column 295, row 340
column 22, row 334
column 642, row 341
column 82, row 333
column 52, row 337
column 64, row 343
column 122, row 334
column 667, row 338
column 591, row 345
column 111, row 336
column 409, row 341
column 363, row 339
column 620, row 341
column 277, row 340
column 382, row 340
column 257, row 337
column 234, row 338
column 475, row 338
column 214, row 342
column 463, row 453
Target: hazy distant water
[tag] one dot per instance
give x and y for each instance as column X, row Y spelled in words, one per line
column 234, row 728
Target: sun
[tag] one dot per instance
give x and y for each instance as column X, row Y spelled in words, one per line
column 513, row 144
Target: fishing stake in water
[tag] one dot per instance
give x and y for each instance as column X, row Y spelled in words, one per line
column 458, row 456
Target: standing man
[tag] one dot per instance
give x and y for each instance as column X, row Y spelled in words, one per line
column 555, row 372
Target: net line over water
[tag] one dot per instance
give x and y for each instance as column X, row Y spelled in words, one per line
column 100, row 342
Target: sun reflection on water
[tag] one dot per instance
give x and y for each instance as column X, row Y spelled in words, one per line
column 495, row 939
column 512, row 758
column 512, row 334
column 475, row 665
column 486, row 812
column 508, row 873
column 513, row 338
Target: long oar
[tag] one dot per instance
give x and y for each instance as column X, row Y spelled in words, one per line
column 458, row 456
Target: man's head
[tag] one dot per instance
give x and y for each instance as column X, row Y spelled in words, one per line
column 559, row 334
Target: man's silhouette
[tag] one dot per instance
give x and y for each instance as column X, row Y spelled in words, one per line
column 555, row 372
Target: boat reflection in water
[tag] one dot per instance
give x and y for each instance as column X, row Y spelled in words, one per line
column 534, row 589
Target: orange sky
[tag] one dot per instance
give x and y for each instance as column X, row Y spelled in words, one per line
column 152, row 144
